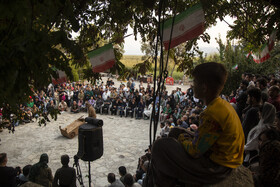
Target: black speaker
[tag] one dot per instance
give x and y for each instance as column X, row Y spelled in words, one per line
column 90, row 140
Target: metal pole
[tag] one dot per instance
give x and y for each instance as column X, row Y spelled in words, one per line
column 89, row 177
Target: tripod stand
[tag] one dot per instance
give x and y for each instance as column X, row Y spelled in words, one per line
column 78, row 170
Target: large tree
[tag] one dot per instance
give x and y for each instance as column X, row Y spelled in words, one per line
column 36, row 35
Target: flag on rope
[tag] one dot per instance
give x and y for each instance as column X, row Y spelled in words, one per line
column 187, row 26
column 102, row 58
column 264, row 53
column 235, row 67
column 61, row 77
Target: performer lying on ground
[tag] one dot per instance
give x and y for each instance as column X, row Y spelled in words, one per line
column 217, row 146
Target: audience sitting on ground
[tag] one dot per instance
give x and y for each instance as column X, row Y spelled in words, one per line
column 75, row 107
column 62, row 106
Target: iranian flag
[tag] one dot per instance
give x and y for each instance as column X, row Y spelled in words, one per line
column 265, row 50
column 102, row 58
column 61, row 77
column 187, row 26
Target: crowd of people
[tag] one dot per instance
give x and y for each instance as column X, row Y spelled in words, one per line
column 256, row 102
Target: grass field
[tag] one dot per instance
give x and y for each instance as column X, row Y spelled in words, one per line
column 130, row 60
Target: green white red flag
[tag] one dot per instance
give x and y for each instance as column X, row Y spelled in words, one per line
column 187, row 26
column 264, row 53
column 102, row 58
column 62, row 77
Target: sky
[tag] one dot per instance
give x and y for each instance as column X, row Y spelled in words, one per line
column 133, row 47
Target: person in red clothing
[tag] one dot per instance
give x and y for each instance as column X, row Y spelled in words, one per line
column 274, row 97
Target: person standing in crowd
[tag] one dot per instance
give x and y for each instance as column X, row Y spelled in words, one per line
column 217, row 146
column 7, row 174
column 65, row 176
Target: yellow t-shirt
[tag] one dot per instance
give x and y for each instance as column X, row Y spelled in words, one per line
column 220, row 132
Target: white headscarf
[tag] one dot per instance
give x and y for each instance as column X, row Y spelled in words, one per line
column 266, row 122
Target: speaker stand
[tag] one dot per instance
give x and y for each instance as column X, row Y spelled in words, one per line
column 89, row 176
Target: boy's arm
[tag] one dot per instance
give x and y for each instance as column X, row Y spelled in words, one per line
column 204, row 138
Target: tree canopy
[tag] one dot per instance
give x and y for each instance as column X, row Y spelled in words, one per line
column 36, row 35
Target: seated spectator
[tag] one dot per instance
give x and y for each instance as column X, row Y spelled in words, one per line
column 113, row 181
column 122, row 172
column 121, row 107
column 114, row 107
column 140, row 109
column 148, row 111
column 92, row 101
column 40, row 173
column 65, row 176
column 165, row 113
column 81, row 105
column 176, row 115
column 268, row 114
column 164, row 130
column 106, row 106
column 251, row 118
column 75, row 107
column 129, row 181
column 7, row 174
column 62, row 106
column 23, row 178
column 131, row 107
column 98, row 105
column 269, row 164
column 35, row 112
column 144, row 166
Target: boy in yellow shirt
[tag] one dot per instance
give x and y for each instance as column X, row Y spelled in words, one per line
column 216, row 147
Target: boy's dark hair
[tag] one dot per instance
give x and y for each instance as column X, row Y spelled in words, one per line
column 3, row 156
column 256, row 93
column 26, row 170
column 122, row 170
column 64, row 160
column 111, row 177
column 128, row 180
column 213, row 74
